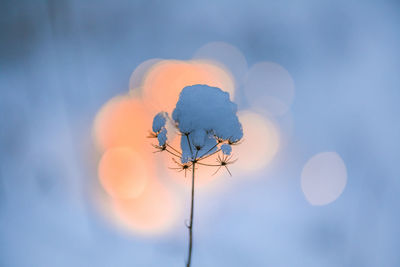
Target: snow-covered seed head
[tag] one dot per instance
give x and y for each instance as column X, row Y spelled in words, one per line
column 207, row 121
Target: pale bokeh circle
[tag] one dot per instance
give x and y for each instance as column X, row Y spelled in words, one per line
column 137, row 76
column 323, row 178
column 260, row 143
column 166, row 79
column 270, row 87
column 227, row 55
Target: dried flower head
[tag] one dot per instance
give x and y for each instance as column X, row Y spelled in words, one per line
column 207, row 123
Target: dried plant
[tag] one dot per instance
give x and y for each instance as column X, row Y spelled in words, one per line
column 208, row 126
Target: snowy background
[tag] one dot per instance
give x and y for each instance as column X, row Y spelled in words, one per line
column 60, row 61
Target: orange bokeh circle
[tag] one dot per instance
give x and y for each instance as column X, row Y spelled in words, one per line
column 122, row 121
column 154, row 212
column 166, row 79
column 122, row 172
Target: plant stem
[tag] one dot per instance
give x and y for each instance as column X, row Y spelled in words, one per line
column 191, row 151
column 209, row 150
column 173, row 148
column 172, row 153
column 209, row 155
column 190, row 227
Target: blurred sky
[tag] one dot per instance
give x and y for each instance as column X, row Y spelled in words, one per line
column 60, row 61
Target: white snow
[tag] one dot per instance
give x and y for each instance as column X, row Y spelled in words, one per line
column 199, row 137
column 201, row 107
column 162, row 137
column 208, row 147
column 159, row 121
column 226, row 149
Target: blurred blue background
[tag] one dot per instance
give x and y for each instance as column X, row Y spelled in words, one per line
column 60, row 61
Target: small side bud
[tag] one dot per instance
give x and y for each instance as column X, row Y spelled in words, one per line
column 159, row 121
column 226, row 149
column 162, row 137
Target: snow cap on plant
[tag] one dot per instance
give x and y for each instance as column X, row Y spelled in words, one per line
column 226, row 149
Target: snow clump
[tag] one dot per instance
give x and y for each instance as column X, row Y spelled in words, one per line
column 226, row 149
column 159, row 121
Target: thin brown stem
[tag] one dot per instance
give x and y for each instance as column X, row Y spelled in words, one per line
column 172, row 153
column 220, row 166
column 190, row 227
column 209, row 155
column 209, row 150
column 210, row 165
column 174, row 149
column 191, row 151
column 226, row 167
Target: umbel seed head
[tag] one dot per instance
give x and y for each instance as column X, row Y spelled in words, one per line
column 207, row 120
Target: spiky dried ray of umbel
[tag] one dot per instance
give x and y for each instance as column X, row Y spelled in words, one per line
column 165, row 147
column 224, row 161
column 181, row 166
column 152, row 135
